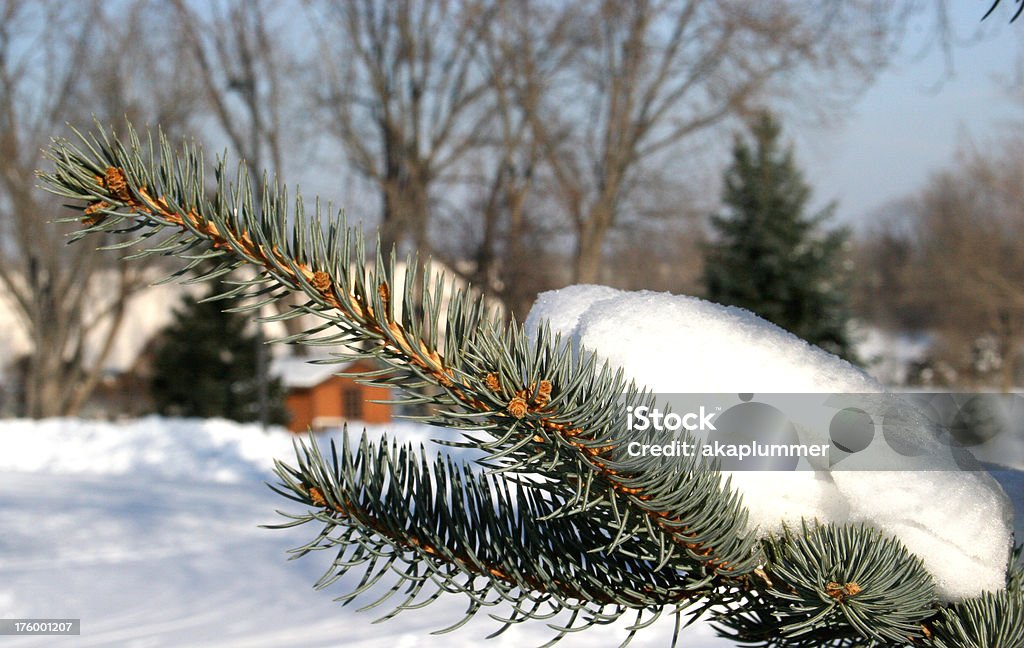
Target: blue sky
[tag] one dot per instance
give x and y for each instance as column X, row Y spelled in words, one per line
column 910, row 123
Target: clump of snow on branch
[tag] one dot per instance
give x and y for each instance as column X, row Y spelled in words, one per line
column 958, row 522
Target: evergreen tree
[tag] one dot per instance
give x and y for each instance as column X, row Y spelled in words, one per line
column 768, row 255
column 206, row 366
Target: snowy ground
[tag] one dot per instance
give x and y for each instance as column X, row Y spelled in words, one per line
column 149, row 532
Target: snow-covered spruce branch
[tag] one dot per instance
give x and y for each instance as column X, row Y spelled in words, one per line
column 564, row 523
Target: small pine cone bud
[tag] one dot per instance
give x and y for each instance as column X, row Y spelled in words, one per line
column 543, row 393
column 116, row 184
column 492, row 382
column 321, row 281
column 842, row 592
column 95, row 207
column 517, row 407
column 384, row 292
column 93, row 214
column 317, row 496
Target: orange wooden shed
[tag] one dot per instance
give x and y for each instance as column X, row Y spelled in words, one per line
column 317, row 398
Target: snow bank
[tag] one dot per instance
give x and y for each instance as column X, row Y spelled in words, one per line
column 958, row 523
column 149, row 531
column 195, row 450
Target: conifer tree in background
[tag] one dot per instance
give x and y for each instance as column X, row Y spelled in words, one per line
column 206, row 366
column 562, row 529
column 768, row 255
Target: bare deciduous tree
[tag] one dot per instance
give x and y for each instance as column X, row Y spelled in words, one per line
column 404, row 97
column 885, row 291
column 70, row 303
column 519, row 57
column 241, row 66
column 970, row 271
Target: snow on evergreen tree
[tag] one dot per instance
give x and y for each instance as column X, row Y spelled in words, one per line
column 768, row 255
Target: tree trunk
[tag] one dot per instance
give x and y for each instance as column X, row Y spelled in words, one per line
column 1006, row 336
column 590, row 246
